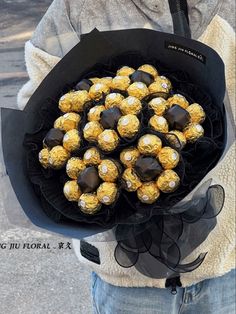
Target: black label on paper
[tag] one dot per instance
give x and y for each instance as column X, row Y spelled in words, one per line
column 186, row 50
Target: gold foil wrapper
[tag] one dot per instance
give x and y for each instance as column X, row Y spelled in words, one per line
column 108, row 140
column 58, row 157
column 149, row 69
column 120, row 82
column 107, row 193
column 92, row 156
column 158, row 105
column 193, row 132
column 168, row 157
column 128, row 125
column 176, row 138
column 149, row 144
column 44, row 158
column 168, row 181
column 125, row 71
column 72, row 191
column 94, row 113
column 161, row 84
column 95, row 80
column 131, row 105
column 197, row 114
column 129, row 156
column 71, row 140
column 113, row 100
column 79, row 100
column 106, row 80
column 159, row 123
column 138, row 90
column 148, row 193
column 97, row 90
column 67, row 122
column 132, row 181
column 108, row 170
column 178, row 99
column 74, row 166
column 92, row 130
column 66, row 102
column 89, row 203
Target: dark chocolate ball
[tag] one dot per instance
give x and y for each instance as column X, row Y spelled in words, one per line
column 53, row 138
column 88, row 180
column 84, row 85
column 147, row 168
column 141, row 76
column 177, row 117
column 110, row 117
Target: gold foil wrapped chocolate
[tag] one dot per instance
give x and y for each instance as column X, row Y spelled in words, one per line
column 178, row 99
column 108, row 170
column 92, row 156
column 128, row 125
column 197, row 114
column 97, row 90
column 148, row 192
column 89, row 203
column 168, row 181
column 138, row 90
column 158, row 105
column 92, row 130
column 129, row 156
column 79, row 99
column 71, row 140
column 149, row 144
column 107, row 193
column 94, row 113
column 120, row 82
column 58, row 157
column 44, row 157
column 113, row 100
column 106, row 80
column 131, row 180
column 161, row 84
column 67, row 122
column 168, row 157
column 193, row 132
column 159, row 123
column 108, row 140
column 149, row 69
column 95, row 80
column 74, row 166
column 176, row 138
column 66, row 102
column 125, row 71
column 72, row 191
column 131, row 105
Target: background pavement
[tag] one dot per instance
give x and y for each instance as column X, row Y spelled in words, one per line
column 38, row 281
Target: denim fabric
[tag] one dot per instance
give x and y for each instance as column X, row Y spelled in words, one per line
column 210, row 296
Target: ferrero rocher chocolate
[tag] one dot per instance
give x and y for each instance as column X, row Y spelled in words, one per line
column 71, row 140
column 67, row 122
column 147, row 168
column 138, row 90
column 128, row 125
column 98, row 90
column 108, row 170
column 141, row 76
column 177, row 117
column 84, row 85
column 108, row 140
column 131, row 105
column 149, row 144
column 197, row 114
column 168, row 181
column 149, row 69
column 113, row 100
column 120, row 82
column 74, row 166
column 178, row 99
column 131, row 180
column 128, row 156
column 125, row 71
column 148, row 193
column 89, row 203
column 95, row 80
column 58, row 123
column 92, row 156
column 92, row 130
column 168, row 157
column 94, row 113
column 176, row 138
column 161, row 84
column 193, row 132
column 66, row 102
column 159, row 123
column 58, row 157
column 107, row 193
column 53, row 138
column 72, row 191
column 88, row 179
column 158, row 105
column 110, row 117
column 79, row 98
column 44, row 157
column 106, row 80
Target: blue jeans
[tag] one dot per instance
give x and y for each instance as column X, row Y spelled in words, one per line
column 210, row 296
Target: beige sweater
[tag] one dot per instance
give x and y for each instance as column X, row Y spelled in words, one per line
column 220, row 244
